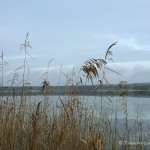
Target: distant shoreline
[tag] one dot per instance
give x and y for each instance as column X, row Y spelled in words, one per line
column 137, row 89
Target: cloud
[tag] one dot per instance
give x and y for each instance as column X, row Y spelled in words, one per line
column 133, row 44
column 133, row 72
column 128, row 41
column 53, row 68
column 140, row 74
column 131, row 64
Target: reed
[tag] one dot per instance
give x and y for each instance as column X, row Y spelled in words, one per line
column 27, row 123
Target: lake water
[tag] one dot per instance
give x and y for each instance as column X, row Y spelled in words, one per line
column 136, row 106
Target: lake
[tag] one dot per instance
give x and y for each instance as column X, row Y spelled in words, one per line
column 137, row 106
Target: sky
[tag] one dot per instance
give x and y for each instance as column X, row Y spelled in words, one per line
column 70, row 32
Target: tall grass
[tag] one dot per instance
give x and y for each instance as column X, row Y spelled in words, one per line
column 72, row 124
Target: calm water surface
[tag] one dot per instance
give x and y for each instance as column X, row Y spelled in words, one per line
column 136, row 106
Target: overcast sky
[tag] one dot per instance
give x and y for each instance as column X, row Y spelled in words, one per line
column 72, row 31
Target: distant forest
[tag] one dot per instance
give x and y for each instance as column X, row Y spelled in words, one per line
column 141, row 89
